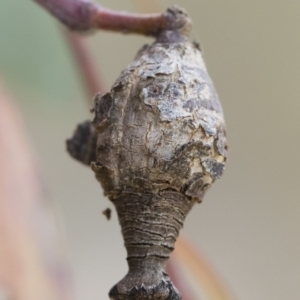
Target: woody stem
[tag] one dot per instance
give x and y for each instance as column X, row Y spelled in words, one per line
column 84, row 15
column 92, row 81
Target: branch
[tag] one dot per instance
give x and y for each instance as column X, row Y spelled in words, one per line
column 83, row 15
column 92, row 81
column 179, row 279
column 201, row 271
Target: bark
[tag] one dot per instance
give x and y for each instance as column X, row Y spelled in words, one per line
column 160, row 144
column 150, row 225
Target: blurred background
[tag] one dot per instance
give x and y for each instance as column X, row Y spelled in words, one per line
column 248, row 225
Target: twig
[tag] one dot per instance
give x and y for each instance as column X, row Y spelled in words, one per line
column 179, row 280
column 205, row 277
column 93, row 83
column 83, row 15
column 30, row 264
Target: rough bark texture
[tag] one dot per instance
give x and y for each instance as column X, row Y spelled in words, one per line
column 160, row 144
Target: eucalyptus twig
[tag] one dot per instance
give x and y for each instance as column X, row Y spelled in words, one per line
column 213, row 287
column 179, row 280
column 93, row 83
column 84, row 15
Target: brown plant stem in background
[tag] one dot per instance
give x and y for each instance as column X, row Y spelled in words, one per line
column 84, row 15
column 200, row 270
column 31, row 265
column 179, row 280
column 92, row 81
